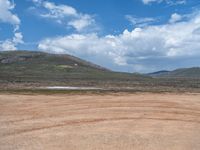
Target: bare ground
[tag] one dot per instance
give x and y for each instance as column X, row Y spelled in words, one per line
column 100, row 122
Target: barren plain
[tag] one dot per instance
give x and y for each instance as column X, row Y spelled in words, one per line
column 140, row 121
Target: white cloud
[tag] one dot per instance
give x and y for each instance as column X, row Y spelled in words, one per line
column 17, row 39
column 10, row 44
column 140, row 22
column 176, row 2
column 65, row 15
column 170, row 2
column 6, row 16
column 58, row 11
column 81, row 23
column 138, row 48
column 150, row 1
column 175, row 18
column 7, row 45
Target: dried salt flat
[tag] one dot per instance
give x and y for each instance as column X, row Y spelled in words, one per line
column 70, row 88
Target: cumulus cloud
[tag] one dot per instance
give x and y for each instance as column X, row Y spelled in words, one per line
column 81, row 23
column 140, row 49
column 140, row 22
column 175, row 17
column 170, row 2
column 10, row 44
column 17, row 39
column 6, row 16
column 65, row 15
column 58, row 11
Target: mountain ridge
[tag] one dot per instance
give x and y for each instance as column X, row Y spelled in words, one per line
column 193, row 72
column 40, row 67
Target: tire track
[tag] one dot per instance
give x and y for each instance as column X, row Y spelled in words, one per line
column 98, row 120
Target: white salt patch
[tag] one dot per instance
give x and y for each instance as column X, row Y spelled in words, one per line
column 70, row 88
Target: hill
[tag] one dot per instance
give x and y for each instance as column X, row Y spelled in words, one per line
column 179, row 73
column 158, row 73
column 51, row 69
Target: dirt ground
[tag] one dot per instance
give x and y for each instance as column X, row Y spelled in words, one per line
column 100, row 122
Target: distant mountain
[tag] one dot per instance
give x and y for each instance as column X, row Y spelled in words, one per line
column 158, row 73
column 179, row 73
column 39, row 67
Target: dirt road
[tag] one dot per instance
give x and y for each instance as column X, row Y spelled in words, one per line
column 100, row 122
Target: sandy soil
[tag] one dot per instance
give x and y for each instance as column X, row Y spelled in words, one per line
column 100, row 122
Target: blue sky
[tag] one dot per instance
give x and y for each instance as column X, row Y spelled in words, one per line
column 123, row 35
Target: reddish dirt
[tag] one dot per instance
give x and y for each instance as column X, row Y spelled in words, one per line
column 100, row 122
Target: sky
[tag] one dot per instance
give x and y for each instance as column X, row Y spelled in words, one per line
column 122, row 35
